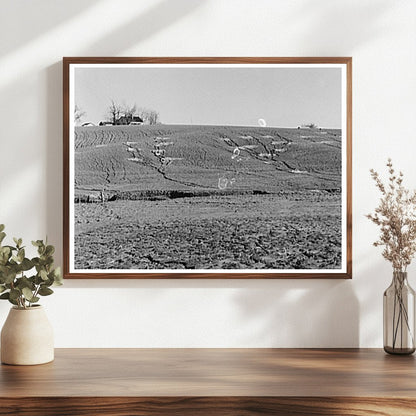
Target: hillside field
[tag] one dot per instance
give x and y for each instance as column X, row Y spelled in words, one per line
column 207, row 197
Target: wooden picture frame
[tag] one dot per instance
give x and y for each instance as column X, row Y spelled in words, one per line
column 181, row 167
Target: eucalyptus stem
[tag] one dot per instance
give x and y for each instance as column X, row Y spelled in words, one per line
column 36, row 291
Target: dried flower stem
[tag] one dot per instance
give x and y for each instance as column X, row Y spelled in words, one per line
column 396, row 217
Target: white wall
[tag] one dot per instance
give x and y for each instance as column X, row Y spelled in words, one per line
column 380, row 35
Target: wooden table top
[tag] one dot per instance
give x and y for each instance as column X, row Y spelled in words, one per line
column 214, row 372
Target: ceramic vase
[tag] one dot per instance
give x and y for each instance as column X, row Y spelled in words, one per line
column 27, row 337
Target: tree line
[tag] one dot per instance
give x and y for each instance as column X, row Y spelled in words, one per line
column 116, row 110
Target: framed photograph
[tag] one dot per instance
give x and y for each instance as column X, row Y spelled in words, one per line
column 207, row 167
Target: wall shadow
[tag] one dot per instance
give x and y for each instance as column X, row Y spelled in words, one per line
column 301, row 313
column 157, row 18
column 39, row 15
column 350, row 24
column 54, row 146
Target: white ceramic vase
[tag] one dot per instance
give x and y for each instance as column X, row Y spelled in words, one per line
column 27, row 337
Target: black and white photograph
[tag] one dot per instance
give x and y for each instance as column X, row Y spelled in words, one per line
column 207, row 169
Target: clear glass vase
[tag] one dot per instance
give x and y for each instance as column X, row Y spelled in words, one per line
column 399, row 316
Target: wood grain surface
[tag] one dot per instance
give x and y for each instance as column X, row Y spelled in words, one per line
column 208, row 406
column 212, row 381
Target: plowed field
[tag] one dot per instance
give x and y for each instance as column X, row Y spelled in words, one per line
column 207, row 197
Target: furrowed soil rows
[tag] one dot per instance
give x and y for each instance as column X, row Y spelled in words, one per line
column 162, row 157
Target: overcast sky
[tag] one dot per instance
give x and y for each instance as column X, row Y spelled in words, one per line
column 283, row 97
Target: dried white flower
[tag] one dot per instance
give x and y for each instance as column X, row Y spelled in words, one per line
column 396, row 217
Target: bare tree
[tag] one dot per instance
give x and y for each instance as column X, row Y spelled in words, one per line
column 149, row 116
column 79, row 114
column 113, row 111
column 129, row 111
column 153, row 117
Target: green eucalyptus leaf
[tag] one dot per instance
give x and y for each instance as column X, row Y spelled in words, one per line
column 7, row 297
column 4, row 255
column 38, row 280
column 3, row 271
column 14, row 267
column 43, row 274
column 26, row 264
column 13, row 302
column 5, row 250
column 24, row 282
column 54, row 275
column 2, row 227
column 46, row 261
column 15, row 294
column 28, row 294
column 2, row 288
column 45, row 291
column 58, row 280
column 49, row 281
column 37, row 243
column 49, row 250
column 11, row 248
column 2, row 236
column 21, row 255
column 9, row 277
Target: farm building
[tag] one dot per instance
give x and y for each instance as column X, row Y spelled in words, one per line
column 126, row 119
